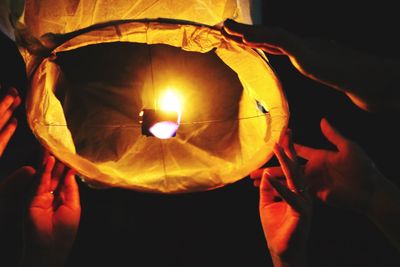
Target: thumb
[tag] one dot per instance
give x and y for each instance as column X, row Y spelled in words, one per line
column 332, row 134
column 267, row 190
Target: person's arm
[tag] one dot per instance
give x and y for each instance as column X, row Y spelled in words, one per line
column 53, row 217
column 349, row 179
column 285, row 207
column 369, row 81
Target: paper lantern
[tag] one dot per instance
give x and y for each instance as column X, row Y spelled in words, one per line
column 94, row 102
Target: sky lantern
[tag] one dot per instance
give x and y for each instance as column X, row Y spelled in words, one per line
column 148, row 95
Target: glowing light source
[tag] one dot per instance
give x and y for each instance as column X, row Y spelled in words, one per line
column 164, row 122
column 170, row 102
column 164, row 129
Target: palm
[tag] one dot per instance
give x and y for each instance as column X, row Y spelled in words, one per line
column 342, row 178
column 281, row 225
column 52, row 222
column 54, row 216
column 285, row 206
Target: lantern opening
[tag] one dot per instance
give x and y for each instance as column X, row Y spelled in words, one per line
column 85, row 100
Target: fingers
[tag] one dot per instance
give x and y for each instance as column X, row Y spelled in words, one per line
column 293, row 173
column 70, row 189
column 293, row 199
column 249, row 35
column 293, row 192
column 57, row 175
column 44, row 154
column 272, row 40
column 271, row 172
column 255, row 41
column 268, row 194
column 257, row 174
column 6, row 134
column 59, row 180
column 289, row 167
column 287, row 145
column 44, row 185
column 332, row 134
column 8, row 104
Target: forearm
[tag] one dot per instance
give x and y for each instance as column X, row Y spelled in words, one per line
column 369, row 81
column 384, row 211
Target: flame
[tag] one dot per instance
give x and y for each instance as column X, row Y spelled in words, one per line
column 164, row 129
column 170, row 101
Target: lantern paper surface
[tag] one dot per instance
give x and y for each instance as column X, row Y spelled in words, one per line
column 86, row 95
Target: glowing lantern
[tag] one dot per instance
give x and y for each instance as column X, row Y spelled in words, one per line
column 218, row 121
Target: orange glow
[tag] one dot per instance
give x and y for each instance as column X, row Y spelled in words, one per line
column 171, row 101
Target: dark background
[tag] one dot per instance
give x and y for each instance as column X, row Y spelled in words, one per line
column 221, row 227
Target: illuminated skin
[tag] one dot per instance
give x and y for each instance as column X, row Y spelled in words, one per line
column 369, row 81
column 285, row 208
column 53, row 216
column 8, row 124
column 348, row 178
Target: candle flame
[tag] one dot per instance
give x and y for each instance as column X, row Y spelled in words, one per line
column 164, row 129
column 170, row 102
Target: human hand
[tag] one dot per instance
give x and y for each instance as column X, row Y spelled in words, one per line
column 356, row 74
column 273, row 40
column 344, row 178
column 285, row 207
column 53, row 215
column 8, row 103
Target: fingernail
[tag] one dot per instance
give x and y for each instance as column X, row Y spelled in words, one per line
column 266, row 174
